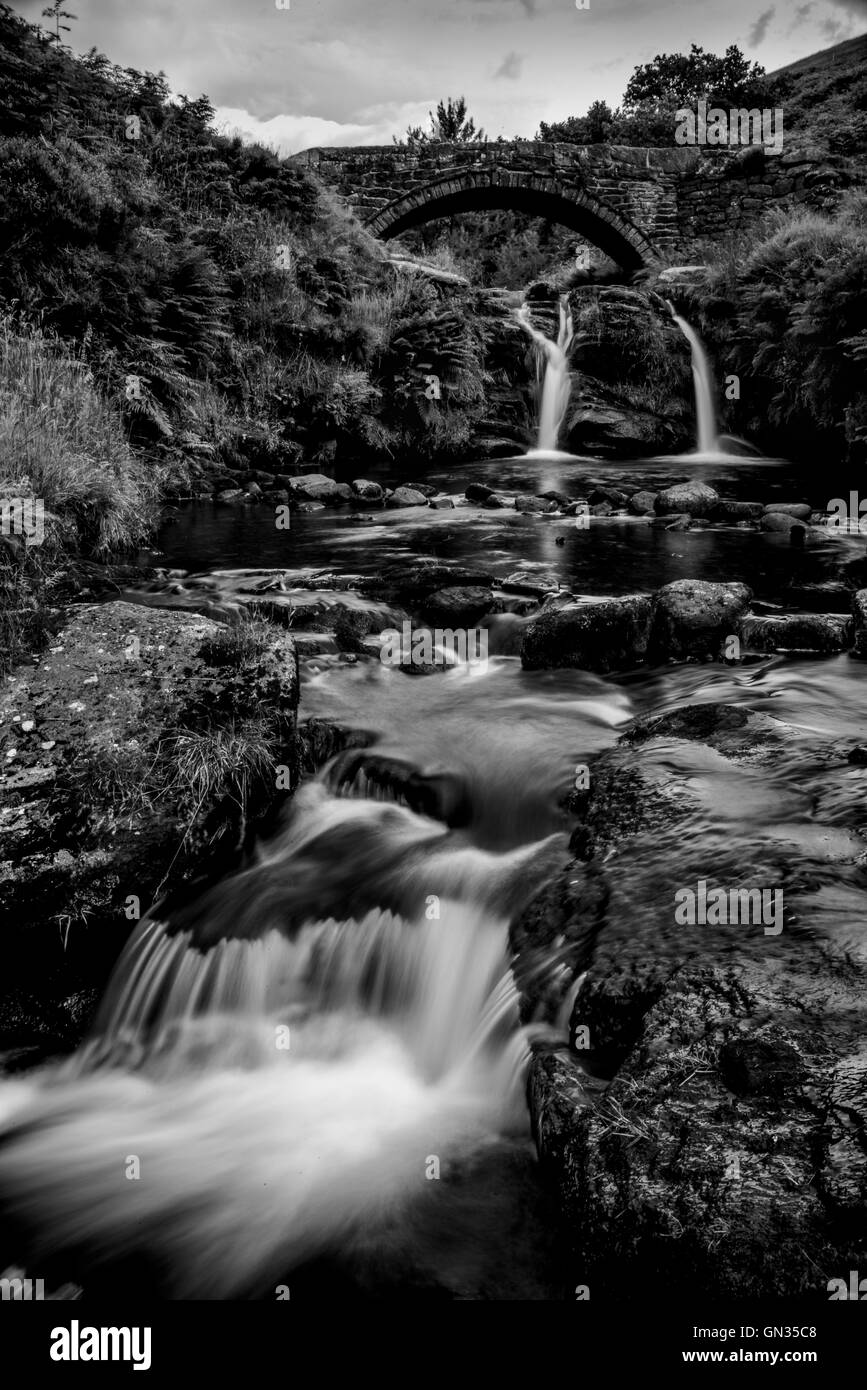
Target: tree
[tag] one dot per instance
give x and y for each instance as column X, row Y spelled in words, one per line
column 55, row 12
column 656, row 91
column 592, row 129
column 685, row 78
column 451, row 124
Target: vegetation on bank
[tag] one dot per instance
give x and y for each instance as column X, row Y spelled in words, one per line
column 182, row 310
column 785, row 309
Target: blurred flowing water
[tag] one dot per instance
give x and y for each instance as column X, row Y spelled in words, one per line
column 318, row 1062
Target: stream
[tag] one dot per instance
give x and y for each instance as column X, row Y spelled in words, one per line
column 318, row 1064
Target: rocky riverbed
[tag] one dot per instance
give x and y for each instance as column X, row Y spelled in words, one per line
column 696, row 1092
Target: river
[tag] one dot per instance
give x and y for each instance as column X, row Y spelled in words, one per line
column 318, row 1064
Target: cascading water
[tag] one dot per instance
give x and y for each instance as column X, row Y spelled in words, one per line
column 284, row 1058
column 708, row 439
column 556, row 385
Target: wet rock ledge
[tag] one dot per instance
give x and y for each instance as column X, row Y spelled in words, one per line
column 705, row 1130
column 688, row 620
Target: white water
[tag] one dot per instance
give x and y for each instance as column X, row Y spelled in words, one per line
column 255, row 1157
column 705, row 413
column 556, row 386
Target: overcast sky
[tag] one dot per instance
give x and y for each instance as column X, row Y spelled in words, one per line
column 342, row 72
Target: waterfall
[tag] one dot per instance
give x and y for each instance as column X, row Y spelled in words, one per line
column 708, row 439
column 285, row 1077
column 556, row 385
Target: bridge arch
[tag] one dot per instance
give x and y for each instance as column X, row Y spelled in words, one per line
column 540, row 195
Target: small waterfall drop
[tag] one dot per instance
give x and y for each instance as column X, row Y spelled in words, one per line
column 556, row 386
column 708, row 439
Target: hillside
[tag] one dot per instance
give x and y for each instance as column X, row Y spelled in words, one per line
column 825, row 96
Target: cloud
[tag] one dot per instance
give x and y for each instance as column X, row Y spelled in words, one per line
column 529, row 6
column 855, row 7
column 760, row 28
column 510, row 67
column 289, row 134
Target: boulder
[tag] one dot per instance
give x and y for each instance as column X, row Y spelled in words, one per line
column 456, row 605
column 367, row 491
column 426, row 489
column 693, row 498
column 612, row 495
column 230, row 497
column 526, row 503
column 693, row 617
column 781, row 522
column 799, row 510
column 478, row 492
column 640, row 503
column 603, row 635
column 441, row 504
column 406, row 497
column 314, row 487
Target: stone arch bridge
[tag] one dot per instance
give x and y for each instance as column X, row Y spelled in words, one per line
column 636, row 205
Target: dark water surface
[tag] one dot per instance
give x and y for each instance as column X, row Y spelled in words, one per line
column 612, row 556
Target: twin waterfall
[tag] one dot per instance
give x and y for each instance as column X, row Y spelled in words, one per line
column 556, row 385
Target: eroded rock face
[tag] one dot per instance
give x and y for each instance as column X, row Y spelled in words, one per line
column 96, row 807
column 693, row 617
column 705, row 1125
column 607, row 416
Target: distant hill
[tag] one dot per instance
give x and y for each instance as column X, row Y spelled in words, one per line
column 825, row 96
